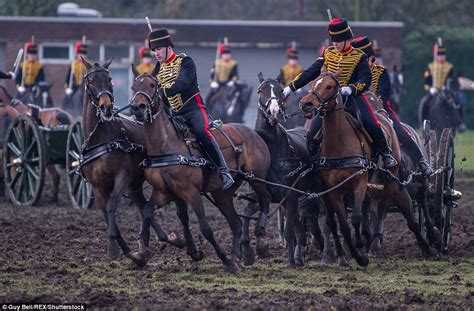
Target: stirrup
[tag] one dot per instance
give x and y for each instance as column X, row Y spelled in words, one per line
column 226, row 178
column 388, row 160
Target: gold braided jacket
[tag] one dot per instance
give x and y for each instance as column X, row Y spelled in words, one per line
column 166, row 76
column 347, row 62
column 377, row 71
column 290, row 72
column 224, row 69
column 79, row 70
column 30, row 71
column 438, row 72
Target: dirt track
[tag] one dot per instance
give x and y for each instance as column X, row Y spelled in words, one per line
column 57, row 254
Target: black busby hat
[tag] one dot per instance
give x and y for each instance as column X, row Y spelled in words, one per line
column 363, row 44
column 159, row 38
column 339, row 30
column 439, row 48
column 81, row 48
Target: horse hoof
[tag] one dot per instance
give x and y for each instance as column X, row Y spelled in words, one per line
column 432, row 254
column 198, row 255
column 299, row 262
column 324, row 263
column 232, row 267
column 343, row 262
column 435, row 238
column 138, row 259
column 175, row 240
column 291, row 265
column 263, row 250
column 363, row 260
column 248, row 255
column 113, row 251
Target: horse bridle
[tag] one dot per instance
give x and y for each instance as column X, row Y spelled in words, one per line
column 263, row 107
column 151, row 99
column 322, row 110
column 95, row 98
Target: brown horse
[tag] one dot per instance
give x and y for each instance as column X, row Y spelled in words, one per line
column 419, row 187
column 111, row 154
column 49, row 117
column 173, row 180
column 342, row 143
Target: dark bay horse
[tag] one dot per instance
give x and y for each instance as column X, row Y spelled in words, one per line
column 229, row 102
column 48, row 117
column 112, row 151
column 341, row 141
column 289, row 151
column 38, row 94
column 445, row 108
column 419, row 187
column 178, row 180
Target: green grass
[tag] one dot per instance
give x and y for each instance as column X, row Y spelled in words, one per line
column 464, row 148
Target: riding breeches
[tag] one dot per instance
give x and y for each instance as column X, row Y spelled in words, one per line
column 369, row 120
column 196, row 118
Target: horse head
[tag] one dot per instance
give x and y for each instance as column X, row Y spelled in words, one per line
column 99, row 89
column 270, row 98
column 146, row 97
column 321, row 96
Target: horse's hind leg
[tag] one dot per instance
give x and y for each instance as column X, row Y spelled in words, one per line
column 192, row 250
column 402, row 200
column 247, row 252
column 55, row 180
column 137, row 197
column 260, row 229
column 225, row 204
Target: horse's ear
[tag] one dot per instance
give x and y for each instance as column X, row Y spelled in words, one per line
column 338, row 72
column 156, row 70
column 107, row 63
column 134, row 70
column 85, row 62
column 260, row 77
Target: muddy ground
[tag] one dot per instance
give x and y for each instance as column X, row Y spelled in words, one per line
column 54, row 253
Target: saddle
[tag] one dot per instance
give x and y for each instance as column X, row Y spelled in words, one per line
column 297, row 141
column 226, row 137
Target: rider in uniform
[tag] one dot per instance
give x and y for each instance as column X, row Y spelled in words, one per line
column 77, row 69
column 292, row 68
column 31, row 68
column 381, row 87
column 436, row 75
column 354, row 79
column 180, row 90
column 146, row 64
column 223, row 72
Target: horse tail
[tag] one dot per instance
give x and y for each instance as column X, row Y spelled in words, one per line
column 274, row 173
column 63, row 118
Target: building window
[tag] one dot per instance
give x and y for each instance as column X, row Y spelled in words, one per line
column 120, row 53
column 55, row 53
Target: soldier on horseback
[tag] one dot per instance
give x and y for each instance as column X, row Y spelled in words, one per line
column 76, row 72
column 292, row 69
column 224, row 71
column 146, row 64
column 355, row 78
column 381, row 87
column 180, row 90
column 436, row 76
column 31, row 72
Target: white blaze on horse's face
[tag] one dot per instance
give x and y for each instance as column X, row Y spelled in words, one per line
column 45, row 98
column 274, row 106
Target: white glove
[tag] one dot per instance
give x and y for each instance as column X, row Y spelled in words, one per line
column 286, row 91
column 214, row 85
column 346, row 91
column 12, row 74
column 231, row 83
column 68, row 91
column 21, row 89
column 433, row 90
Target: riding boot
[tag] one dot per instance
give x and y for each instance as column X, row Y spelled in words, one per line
column 313, row 147
column 216, row 156
column 415, row 153
column 382, row 144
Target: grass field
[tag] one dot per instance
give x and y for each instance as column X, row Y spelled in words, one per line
column 464, row 147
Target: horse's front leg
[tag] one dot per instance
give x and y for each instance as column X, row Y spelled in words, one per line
column 192, row 250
